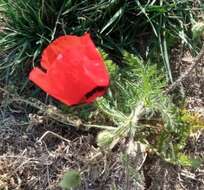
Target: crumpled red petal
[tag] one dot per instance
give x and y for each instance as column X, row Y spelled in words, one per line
column 74, row 72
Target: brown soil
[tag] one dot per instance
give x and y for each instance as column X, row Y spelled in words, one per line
column 27, row 163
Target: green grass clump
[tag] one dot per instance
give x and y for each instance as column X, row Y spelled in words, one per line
column 115, row 25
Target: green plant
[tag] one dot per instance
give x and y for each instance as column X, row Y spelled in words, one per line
column 195, row 120
column 135, row 99
column 71, row 179
column 115, row 25
column 29, row 27
column 198, row 30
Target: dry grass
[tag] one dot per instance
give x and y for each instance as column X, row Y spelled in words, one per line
column 35, row 154
column 27, row 163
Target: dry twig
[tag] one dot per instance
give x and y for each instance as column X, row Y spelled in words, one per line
column 195, row 62
column 54, row 134
column 53, row 112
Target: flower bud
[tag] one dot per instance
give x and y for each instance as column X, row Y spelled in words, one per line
column 104, row 139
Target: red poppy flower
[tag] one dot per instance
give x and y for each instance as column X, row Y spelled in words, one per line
column 72, row 70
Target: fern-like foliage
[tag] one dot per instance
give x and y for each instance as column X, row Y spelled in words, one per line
column 137, row 83
column 136, row 97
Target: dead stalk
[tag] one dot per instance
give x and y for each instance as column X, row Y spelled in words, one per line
column 194, row 63
column 53, row 134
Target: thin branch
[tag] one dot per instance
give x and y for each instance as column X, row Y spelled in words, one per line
column 53, row 112
column 195, row 62
column 54, row 134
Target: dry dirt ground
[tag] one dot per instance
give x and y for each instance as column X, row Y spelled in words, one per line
column 35, row 152
column 32, row 161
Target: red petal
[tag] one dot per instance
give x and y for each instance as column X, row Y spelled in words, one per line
column 74, row 68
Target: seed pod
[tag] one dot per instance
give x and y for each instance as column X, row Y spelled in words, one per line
column 104, row 139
